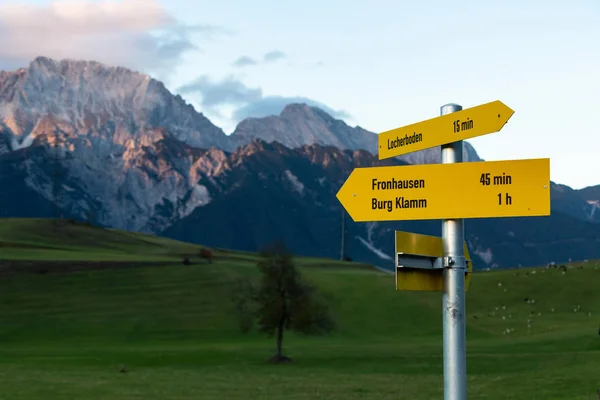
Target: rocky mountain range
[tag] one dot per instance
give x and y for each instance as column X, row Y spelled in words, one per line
column 112, row 146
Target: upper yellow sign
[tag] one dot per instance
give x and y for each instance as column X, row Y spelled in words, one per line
column 461, row 125
column 517, row 188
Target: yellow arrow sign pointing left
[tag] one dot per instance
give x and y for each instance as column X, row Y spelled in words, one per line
column 486, row 189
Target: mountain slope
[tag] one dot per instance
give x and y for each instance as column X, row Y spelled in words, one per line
column 121, row 140
column 583, row 204
column 591, row 195
column 277, row 193
column 17, row 199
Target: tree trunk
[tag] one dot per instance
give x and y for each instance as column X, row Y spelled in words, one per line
column 279, row 357
column 280, row 338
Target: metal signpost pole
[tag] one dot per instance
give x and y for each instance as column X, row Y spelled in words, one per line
column 419, row 258
column 453, row 297
column 342, row 249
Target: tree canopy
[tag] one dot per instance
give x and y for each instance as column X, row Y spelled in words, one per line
column 281, row 301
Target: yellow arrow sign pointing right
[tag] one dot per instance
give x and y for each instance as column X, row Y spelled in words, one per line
column 461, row 125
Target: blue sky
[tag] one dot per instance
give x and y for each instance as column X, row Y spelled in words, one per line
column 384, row 64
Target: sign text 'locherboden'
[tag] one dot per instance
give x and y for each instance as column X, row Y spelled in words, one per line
column 449, row 128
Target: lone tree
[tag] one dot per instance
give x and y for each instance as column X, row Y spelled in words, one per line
column 281, row 301
column 206, row 254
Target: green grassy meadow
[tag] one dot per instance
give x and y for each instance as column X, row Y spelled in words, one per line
column 68, row 334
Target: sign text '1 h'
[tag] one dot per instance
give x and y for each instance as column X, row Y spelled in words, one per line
column 449, row 128
column 517, row 188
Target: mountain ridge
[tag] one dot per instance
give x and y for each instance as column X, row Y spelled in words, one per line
column 115, row 147
column 297, row 197
column 94, row 94
column 90, row 97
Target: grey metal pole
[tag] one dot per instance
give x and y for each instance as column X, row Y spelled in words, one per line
column 453, row 297
column 343, row 234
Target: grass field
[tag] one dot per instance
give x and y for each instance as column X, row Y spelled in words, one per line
column 66, row 335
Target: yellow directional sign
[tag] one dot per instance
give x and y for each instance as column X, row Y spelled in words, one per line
column 517, row 188
column 460, row 125
column 426, row 280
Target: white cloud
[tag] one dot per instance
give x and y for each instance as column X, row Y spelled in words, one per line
column 244, row 101
column 274, row 55
column 226, row 91
column 138, row 34
column 270, row 57
column 244, row 61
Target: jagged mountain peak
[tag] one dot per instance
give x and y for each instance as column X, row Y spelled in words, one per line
column 304, row 110
column 300, row 124
column 295, row 107
column 74, row 80
column 257, row 145
column 91, row 98
column 117, row 104
column 50, row 64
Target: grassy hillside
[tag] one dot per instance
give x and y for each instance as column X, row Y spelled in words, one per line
column 66, row 335
column 63, row 240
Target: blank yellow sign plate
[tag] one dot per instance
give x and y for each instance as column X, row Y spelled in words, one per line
column 423, row 279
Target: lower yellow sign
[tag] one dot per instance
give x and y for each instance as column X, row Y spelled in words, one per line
column 426, row 280
column 484, row 189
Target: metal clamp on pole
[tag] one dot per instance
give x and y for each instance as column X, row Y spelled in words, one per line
column 455, row 262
